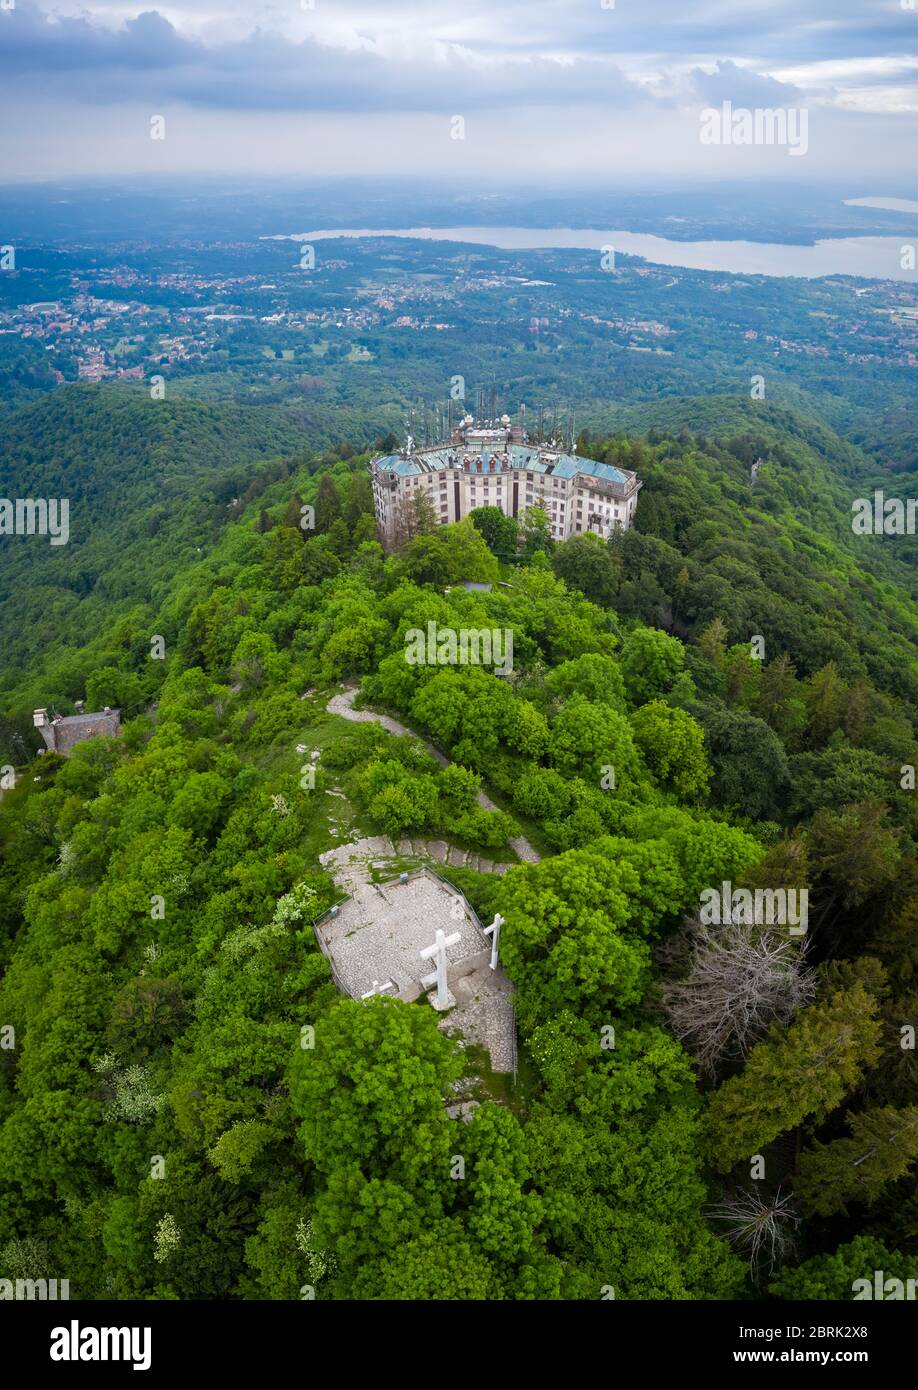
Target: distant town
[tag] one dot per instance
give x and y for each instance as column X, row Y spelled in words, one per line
column 126, row 316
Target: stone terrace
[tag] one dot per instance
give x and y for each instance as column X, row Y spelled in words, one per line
column 380, row 931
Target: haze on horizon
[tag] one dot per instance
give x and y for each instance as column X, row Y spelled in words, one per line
column 545, row 90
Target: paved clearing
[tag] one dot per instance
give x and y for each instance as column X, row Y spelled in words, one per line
column 379, row 931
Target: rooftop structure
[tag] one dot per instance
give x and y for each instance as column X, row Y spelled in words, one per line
column 61, row 733
column 492, row 463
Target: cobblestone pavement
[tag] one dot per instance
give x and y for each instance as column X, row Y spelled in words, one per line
column 484, row 1014
column 343, row 704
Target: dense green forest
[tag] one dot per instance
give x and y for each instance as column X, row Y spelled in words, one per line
column 745, row 665
column 151, row 484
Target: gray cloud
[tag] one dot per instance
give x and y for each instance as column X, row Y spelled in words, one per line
column 148, row 58
column 729, row 82
column 552, row 84
column 496, row 56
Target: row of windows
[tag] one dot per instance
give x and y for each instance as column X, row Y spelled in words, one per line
column 556, row 505
column 554, row 483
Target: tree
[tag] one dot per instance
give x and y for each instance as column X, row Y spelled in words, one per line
column 586, row 739
column 742, row 677
column 500, row 531
column 337, row 538
column 741, row 980
column 527, row 730
column 358, row 499
column 569, row 940
column 328, row 504
column 598, row 678
column 370, row 1093
column 779, row 701
column 542, row 794
column 882, row 1148
column 198, row 805
column 112, row 687
column 272, row 1253
column 318, row 562
column 422, row 518
column 146, row 1013
column 836, row 776
column 365, row 531
column 439, row 1263
column 806, row 1070
column 712, row 643
column 761, row 1227
column 823, row 695
column 237, row 1150
column 612, row 1146
column 284, row 561
column 835, row 1276
column 255, row 660
column 294, row 513
column 749, row 762
column 586, row 563
column 855, row 851
column 707, row 851
column 672, row 744
column 447, row 556
column 535, row 531
column 650, row 663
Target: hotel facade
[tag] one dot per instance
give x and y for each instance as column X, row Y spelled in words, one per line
column 492, row 464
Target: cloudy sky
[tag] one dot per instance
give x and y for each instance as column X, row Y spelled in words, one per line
column 574, row 89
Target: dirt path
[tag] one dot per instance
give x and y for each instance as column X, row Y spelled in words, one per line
column 343, row 704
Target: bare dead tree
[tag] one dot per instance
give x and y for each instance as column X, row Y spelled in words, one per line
column 762, row 1228
column 741, row 979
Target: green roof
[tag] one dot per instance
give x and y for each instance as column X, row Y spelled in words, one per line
column 521, row 456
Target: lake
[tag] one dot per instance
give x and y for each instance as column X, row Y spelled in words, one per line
column 869, row 256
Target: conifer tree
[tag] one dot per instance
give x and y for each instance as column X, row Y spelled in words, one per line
column 805, row 1070
column 882, row 1147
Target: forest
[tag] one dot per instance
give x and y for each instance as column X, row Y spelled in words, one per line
column 189, row 1108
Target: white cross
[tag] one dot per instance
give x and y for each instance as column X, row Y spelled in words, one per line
column 494, row 932
column 438, row 952
column 378, row 989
